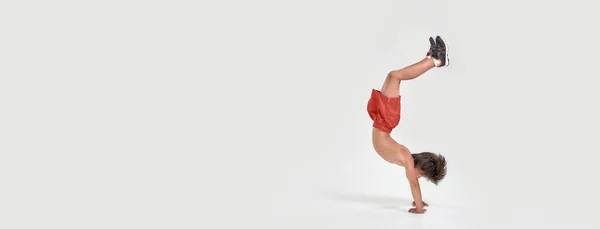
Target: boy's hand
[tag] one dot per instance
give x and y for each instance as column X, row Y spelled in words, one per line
column 424, row 204
column 417, row 211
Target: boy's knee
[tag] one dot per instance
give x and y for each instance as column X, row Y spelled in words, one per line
column 395, row 75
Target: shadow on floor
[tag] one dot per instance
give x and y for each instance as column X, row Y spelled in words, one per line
column 381, row 201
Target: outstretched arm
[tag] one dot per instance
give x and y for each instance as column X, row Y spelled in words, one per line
column 415, row 187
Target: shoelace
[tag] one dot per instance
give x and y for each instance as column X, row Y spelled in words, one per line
column 440, row 52
column 432, row 50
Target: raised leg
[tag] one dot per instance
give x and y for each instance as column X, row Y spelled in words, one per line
column 391, row 85
column 436, row 57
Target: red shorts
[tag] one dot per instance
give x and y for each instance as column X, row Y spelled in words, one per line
column 384, row 111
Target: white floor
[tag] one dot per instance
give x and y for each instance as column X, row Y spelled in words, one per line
column 252, row 114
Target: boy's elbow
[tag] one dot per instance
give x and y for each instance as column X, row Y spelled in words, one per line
column 412, row 176
column 414, row 182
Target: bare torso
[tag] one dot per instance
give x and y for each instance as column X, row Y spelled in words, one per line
column 388, row 148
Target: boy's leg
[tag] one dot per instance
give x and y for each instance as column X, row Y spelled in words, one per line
column 436, row 57
column 391, row 85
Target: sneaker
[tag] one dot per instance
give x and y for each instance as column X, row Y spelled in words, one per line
column 441, row 52
column 431, row 48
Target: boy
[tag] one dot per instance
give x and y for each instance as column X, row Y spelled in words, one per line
column 384, row 110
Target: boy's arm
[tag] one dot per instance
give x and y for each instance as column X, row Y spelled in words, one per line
column 415, row 187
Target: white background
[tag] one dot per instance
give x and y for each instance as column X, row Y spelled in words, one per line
column 252, row 114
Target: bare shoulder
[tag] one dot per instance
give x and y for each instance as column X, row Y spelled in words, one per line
column 404, row 155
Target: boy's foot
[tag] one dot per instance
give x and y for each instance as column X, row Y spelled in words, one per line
column 431, row 48
column 440, row 52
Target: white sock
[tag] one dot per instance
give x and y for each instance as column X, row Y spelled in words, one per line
column 436, row 62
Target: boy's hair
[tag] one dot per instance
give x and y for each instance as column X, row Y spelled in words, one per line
column 432, row 165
